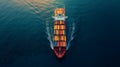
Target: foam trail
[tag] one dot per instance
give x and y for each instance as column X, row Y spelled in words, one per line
column 49, row 34
column 71, row 32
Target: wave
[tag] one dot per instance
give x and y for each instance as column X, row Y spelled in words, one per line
column 44, row 9
column 71, row 31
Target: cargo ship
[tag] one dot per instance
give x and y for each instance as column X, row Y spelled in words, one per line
column 59, row 32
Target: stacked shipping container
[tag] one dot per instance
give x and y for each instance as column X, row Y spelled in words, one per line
column 59, row 33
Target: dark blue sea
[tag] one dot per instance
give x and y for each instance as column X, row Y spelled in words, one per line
column 25, row 40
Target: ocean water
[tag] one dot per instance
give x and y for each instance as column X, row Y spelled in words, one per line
column 25, row 24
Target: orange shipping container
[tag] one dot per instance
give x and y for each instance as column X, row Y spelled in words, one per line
column 56, row 27
column 56, row 32
column 62, row 27
column 62, row 22
column 61, row 43
column 62, row 32
column 59, row 11
column 63, row 38
column 56, row 38
column 55, row 22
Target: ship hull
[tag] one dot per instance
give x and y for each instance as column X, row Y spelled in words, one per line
column 59, row 33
